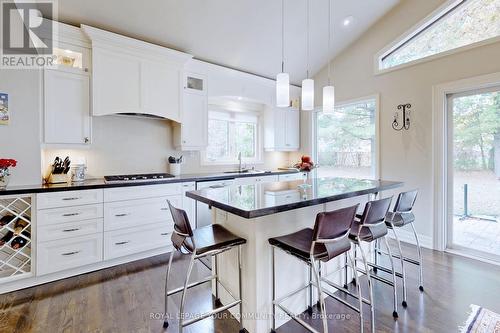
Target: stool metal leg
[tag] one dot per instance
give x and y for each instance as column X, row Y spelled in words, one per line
column 370, row 287
column 419, row 250
column 165, row 320
column 309, row 308
column 183, row 297
column 394, row 287
column 240, row 290
column 345, row 271
column 273, row 329
column 321, row 298
column 216, row 269
column 358, row 285
column 375, row 254
column 403, row 270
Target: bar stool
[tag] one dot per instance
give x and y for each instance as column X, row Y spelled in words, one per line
column 370, row 227
column 210, row 241
column 401, row 216
column 329, row 239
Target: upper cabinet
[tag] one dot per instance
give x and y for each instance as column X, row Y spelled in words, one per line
column 282, row 129
column 192, row 131
column 132, row 76
column 66, row 90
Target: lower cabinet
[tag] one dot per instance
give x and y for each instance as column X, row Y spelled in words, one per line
column 58, row 255
column 119, row 243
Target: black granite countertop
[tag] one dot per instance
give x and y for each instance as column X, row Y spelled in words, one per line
column 100, row 183
column 255, row 200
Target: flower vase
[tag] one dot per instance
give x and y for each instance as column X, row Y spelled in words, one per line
column 4, row 178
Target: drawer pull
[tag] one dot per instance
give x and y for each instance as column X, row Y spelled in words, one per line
column 71, row 230
column 122, row 215
column 70, row 253
column 71, row 214
column 122, row 243
column 164, row 208
column 165, row 234
column 69, row 199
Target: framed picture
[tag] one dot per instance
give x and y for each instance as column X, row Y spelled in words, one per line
column 4, row 109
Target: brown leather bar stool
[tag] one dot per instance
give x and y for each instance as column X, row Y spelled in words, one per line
column 329, row 239
column 369, row 227
column 210, row 241
column 401, row 216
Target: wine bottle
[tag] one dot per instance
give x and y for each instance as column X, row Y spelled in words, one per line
column 18, row 243
column 6, row 220
column 6, row 238
column 19, row 226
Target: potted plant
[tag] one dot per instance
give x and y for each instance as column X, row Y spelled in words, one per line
column 5, row 164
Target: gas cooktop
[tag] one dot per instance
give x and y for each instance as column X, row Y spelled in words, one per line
column 146, row 177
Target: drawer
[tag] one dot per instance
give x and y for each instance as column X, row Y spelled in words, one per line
column 68, row 198
column 120, row 243
column 133, row 213
column 69, row 229
column 141, row 192
column 58, row 255
column 254, row 180
column 69, row 214
column 291, row 176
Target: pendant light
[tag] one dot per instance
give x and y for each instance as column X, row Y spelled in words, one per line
column 308, row 84
column 282, row 79
column 329, row 90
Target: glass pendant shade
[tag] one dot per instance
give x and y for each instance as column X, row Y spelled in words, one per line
column 282, row 90
column 328, row 99
column 307, row 94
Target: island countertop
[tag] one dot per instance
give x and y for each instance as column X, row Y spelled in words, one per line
column 256, row 200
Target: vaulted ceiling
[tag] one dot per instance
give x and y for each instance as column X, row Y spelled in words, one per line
column 241, row 34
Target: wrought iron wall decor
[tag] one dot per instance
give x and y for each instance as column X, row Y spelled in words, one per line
column 405, row 124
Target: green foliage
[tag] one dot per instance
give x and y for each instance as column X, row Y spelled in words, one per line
column 476, row 120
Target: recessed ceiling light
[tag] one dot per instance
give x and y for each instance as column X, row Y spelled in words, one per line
column 348, row 21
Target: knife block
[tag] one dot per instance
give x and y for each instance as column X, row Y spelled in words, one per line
column 58, row 178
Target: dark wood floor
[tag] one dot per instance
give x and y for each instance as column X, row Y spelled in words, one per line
column 129, row 298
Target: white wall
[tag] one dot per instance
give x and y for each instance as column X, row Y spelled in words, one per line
column 20, row 139
column 405, row 155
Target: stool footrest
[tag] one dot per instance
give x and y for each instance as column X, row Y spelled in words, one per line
column 385, row 269
column 336, row 286
column 297, row 319
column 210, row 313
column 378, row 278
column 410, row 260
column 194, row 284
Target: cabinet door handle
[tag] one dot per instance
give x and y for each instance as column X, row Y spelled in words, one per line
column 86, row 139
column 70, row 253
column 122, row 243
column 164, row 208
column 122, row 215
column 71, row 214
column 165, row 234
column 72, row 198
column 71, row 230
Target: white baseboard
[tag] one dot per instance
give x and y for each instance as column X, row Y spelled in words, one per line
column 407, row 236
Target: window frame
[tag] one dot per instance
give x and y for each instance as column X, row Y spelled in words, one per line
column 259, row 144
column 314, row 131
column 415, row 30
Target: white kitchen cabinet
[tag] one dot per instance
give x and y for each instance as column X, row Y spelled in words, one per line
column 192, row 131
column 135, row 77
column 282, row 129
column 66, row 107
column 255, row 180
column 292, row 176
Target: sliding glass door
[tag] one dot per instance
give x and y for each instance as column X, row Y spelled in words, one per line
column 474, row 173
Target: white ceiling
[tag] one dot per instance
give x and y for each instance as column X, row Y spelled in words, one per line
column 242, row 34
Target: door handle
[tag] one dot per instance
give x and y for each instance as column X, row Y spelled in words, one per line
column 70, row 253
column 71, row 214
column 122, row 243
column 122, row 215
column 71, row 230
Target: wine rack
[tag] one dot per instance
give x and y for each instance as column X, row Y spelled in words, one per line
column 16, row 231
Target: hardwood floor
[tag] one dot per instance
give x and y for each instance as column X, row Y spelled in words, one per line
column 129, row 298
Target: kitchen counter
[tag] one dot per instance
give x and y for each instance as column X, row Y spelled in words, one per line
column 250, row 201
column 100, row 183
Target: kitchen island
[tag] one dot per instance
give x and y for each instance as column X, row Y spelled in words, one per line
column 258, row 212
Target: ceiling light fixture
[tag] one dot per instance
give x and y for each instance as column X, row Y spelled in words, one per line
column 307, row 84
column 282, row 79
column 348, row 20
column 329, row 90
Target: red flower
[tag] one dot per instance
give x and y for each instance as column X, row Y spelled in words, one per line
column 7, row 163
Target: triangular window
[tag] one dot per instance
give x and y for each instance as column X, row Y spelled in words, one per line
column 456, row 25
